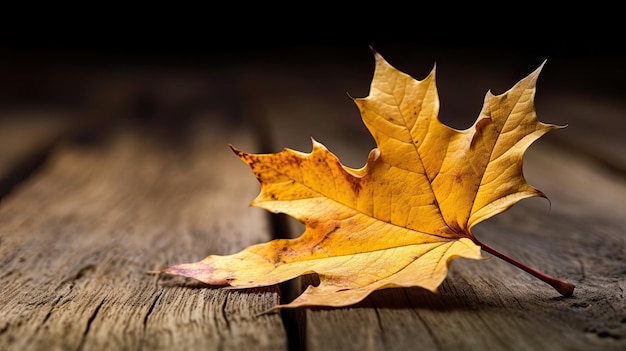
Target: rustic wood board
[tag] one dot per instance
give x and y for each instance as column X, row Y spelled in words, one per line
column 77, row 239
column 482, row 304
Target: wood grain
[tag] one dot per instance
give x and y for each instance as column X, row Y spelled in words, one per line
column 78, row 238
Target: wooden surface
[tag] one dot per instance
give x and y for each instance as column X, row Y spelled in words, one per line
column 148, row 180
column 79, row 236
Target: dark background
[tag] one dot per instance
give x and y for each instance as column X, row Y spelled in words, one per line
column 581, row 45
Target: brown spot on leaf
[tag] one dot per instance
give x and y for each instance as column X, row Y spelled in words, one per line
column 280, row 250
column 293, row 160
column 455, row 228
column 327, row 235
column 355, row 183
column 458, row 178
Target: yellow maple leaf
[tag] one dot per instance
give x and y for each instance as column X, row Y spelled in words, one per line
column 402, row 218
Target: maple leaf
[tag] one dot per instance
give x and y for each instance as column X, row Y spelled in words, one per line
column 403, row 217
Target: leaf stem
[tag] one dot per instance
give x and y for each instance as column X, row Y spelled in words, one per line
column 564, row 288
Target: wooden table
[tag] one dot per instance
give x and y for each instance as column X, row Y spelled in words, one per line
column 121, row 171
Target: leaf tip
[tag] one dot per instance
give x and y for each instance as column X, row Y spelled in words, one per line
column 271, row 310
column 377, row 56
column 374, row 50
column 244, row 156
column 235, row 150
column 202, row 271
column 535, row 74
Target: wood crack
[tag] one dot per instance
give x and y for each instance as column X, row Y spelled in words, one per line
column 88, row 327
column 147, row 316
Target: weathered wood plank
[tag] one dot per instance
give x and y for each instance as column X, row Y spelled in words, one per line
column 77, row 239
column 482, row 304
